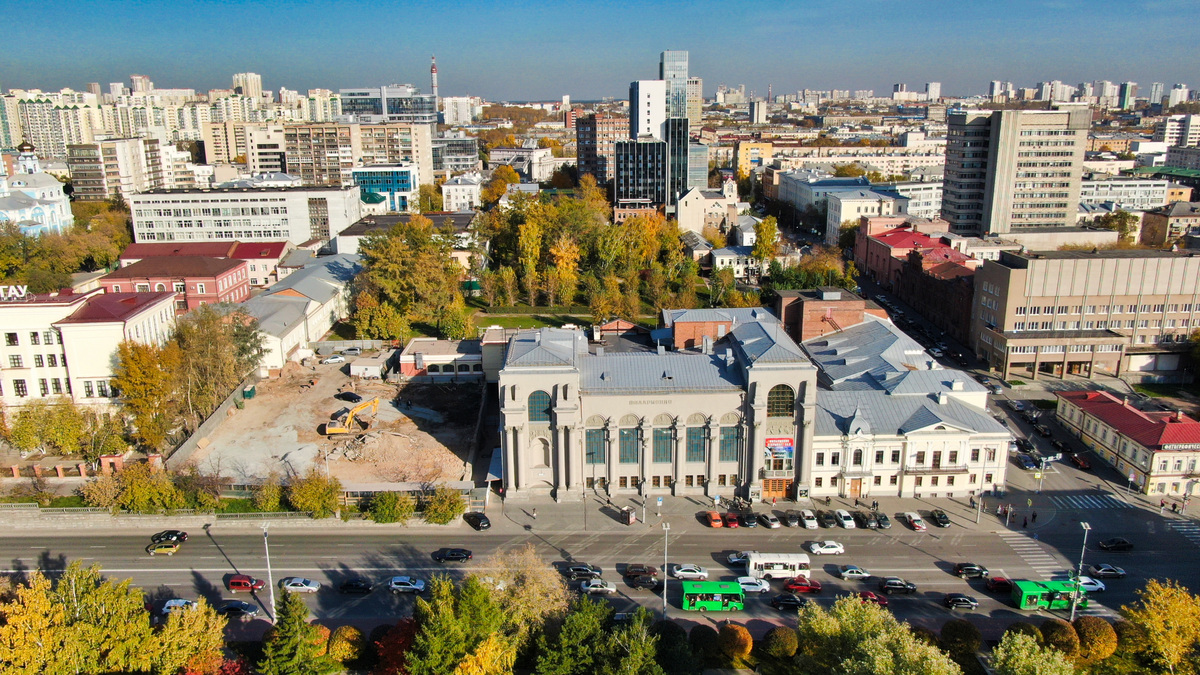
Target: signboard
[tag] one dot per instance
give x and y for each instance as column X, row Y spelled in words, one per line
column 1131, row 476
column 13, row 292
column 779, row 448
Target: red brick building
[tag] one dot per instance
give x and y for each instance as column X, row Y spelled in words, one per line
column 939, row 284
column 690, row 326
column 264, row 257
column 811, row 313
column 195, row 280
column 882, row 245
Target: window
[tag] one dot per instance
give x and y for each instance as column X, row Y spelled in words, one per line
column 44, row 386
column 820, row 459
column 102, row 389
column 933, row 481
column 892, row 480
column 917, row 481
column 48, row 337
column 695, row 444
column 38, row 362
column 52, row 360
column 731, row 444
column 817, row 482
column 19, row 388
column 594, row 442
column 781, row 401
column 34, row 338
column 856, row 458
column 10, row 339
column 878, row 480
column 662, row 445
column 628, row 446
column 879, row 457
column 56, row 385
column 954, row 457
column 991, row 455
column 180, row 288
column 987, row 478
column 14, row 361
column 200, row 288
column 895, row 457
column 921, row 457
column 835, row 458
column 833, row 481
column 539, row 406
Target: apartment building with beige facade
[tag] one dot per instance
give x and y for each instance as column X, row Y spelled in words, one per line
column 1117, row 312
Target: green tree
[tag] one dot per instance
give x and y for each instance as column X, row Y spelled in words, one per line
column 27, row 432
column 631, row 648
column 1020, row 654
column 316, row 493
column 961, row 640
column 146, row 489
column 848, row 170
column 103, row 434
column 268, row 493
column 442, row 639
column 1097, row 639
column 410, row 268
column 444, row 505
column 1169, row 617
column 218, row 345
column 766, row 240
column 145, row 375
column 780, row 642
column 391, row 507
column 705, row 642
column 673, row 653
column 429, row 198
column 847, row 234
column 572, row 646
column 292, row 648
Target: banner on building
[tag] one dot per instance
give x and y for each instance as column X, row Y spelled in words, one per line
column 779, row 448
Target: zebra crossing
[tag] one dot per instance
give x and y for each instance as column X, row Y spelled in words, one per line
column 1030, row 550
column 1095, row 500
column 1187, row 528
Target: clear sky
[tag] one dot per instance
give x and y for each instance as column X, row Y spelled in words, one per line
column 522, row 50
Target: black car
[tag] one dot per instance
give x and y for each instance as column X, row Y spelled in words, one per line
column 827, row 519
column 477, row 520
column 939, row 518
column 647, row 582
column 349, row 397
column 960, row 601
column 970, row 570
column 1116, row 544
column 461, row 555
column 1043, row 430
column 356, row 585
column 791, row 518
column 885, row 523
column 788, row 601
column 169, row 535
column 892, row 585
column 1024, row 444
column 749, row 519
column 582, row 571
column 865, row 520
column 236, row 609
column 1059, row 445
column 632, row 571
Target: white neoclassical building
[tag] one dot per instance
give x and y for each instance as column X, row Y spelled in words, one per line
column 33, row 199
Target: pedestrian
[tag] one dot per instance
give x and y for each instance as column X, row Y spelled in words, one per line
column 773, row 501
column 1162, row 507
column 1034, row 519
column 1024, row 523
column 972, row 502
column 1035, row 536
column 1174, row 507
column 856, row 502
column 875, row 505
column 535, row 514
column 828, row 500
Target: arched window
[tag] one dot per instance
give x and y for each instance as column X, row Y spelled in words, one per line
column 781, row 401
column 464, row 368
column 539, row 407
column 857, row 461
column 433, row 368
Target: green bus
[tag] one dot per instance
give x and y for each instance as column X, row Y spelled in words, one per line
column 1046, row 595
column 718, row 596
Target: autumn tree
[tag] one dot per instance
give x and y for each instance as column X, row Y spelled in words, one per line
column 1020, row 654
column 145, row 375
column 736, row 641
column 217, row 346
column 315, row 492
column 391, row 507
column 1169, row 617
column 766, row 240
column 147, row 489
column 526, row 589
column 852, row 170
column 443, row 505
column 1097, row 638
column 503, row 176
column 293, row 647
column 429, row 197
column 267, row 494
column 1061, row 635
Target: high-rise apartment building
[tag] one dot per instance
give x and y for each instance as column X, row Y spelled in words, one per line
column 140, row 84
column 327, row 154
column 1127, row 95
column 114, row 167
column 673, row 71
column 595, row 140
column 1156, row 93
column 1177, row 95
column 395, row 103
column 647, row 108
column 1014, row 170
column 266, row 151
column 396, row 143
column 1178, row 130
column 248, row 85
column 641, row 173
column 695, row 101
column 94, row 89
column 933, row 91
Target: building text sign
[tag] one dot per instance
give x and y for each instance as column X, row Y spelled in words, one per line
column 13, row 292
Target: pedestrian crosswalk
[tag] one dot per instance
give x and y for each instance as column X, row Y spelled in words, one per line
column 1030, row 550
column 1089, row 500
column 1187, row 528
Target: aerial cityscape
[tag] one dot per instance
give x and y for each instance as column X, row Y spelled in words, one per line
column 574, row 343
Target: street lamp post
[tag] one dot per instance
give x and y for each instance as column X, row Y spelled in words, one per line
column 666, row 576
column 1075, row 597
column 1041, row 476
column 270, row 580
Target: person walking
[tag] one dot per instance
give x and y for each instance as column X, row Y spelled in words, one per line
column 535, row 514
column 1025, row 523
column 1034, row 519
column 1174, row 507
column 773, row 501
column 1162, row 507
column 828, row 501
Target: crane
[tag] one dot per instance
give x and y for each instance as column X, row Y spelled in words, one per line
column 347, row 425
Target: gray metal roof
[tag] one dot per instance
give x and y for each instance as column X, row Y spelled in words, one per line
column 732, row 315
column 650, row 372
column 321, row 279
column 761, row 342
column 546, row 347
column 848, row 412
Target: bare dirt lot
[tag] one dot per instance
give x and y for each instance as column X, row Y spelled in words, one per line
column 420, row 432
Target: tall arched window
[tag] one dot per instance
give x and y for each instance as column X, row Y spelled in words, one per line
column 857, row 457
column 781, row 401
column 539, row 407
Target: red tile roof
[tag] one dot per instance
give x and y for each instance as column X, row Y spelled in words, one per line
column 266, row 250
column 949, row 270
column 212, row 249
column 903, row 237
column 176, row 267
column 110, row 307
column 1152, row 430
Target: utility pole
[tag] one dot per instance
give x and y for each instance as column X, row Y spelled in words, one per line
column 1075, row 596
column 666, row 576
column 270, row 580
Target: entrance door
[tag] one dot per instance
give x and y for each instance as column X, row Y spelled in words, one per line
column 776, row 487
column 855, row 488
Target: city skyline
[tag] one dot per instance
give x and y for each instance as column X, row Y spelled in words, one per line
column 813, row 46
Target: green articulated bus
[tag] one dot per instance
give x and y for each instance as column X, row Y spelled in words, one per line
column 1046, row 595
column 717, row 596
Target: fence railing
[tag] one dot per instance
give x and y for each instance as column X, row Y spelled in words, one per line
column 72, row 510
column 19, row 506
column 274, row 515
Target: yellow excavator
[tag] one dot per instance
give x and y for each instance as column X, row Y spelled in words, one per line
column 348, row 424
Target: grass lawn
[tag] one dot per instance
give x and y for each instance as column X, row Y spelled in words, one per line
column 530, row 320
column 1173, row 390
column 70, row 502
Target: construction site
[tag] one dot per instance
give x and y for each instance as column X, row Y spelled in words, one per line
column 312, row 416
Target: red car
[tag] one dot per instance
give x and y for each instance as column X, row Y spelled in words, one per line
column 1080, row 461
column 713, row 518
column 999, row 585
column 244, row 582
column 802, row 585
column 868, row 596
column 731, row 520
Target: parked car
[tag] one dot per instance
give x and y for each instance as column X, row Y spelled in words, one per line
column 1030, row 416
column 752, row 585
column 1060, row 445
column 960, row 601
column 165, row 547
column 336, row 358
column 999, row 585
column 640, row 571
column 788, row 601
column 355, row 586
column 299, row 585
column 169, row 535
column 1116, row 544
column 844, row 519
column 885, row 523
column 651, row 583
column 967, row 570
column 868, row 596
column 1080, row 461
column 177, row 604
column 244, row 583
column 810, row 519
column 1024, row 444
column 1026, row 462
column 939, row 518
column 713, row 519
column 827, row 519
column 865, row 520
column 853, row 572
column 583, row 571
column 349, row 397
column 444, row 555
column 1091, row 585
column 399, row 585
column 914, row 521
column 477, row 520
column 236, row 609
column 791, row 518
column 731, row 520
column 749, row 519
column 768, row 520
column 802, row 585
column 892, row 585
column 1105, row 571
column 1043, row 430
column 353, row 351
column 693, row 572
column 826, row 548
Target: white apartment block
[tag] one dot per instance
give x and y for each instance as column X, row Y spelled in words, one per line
column 851, row 205
column 116, row 166
column 461, row 110
column 297, row 215
column 922, row 200
column 1178, row 130
column 1127, row 193
column 647, row 108
column 462, row 193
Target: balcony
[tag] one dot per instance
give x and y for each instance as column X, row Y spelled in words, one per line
column 937, row 470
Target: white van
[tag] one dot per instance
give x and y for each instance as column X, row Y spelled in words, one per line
column 844, row 518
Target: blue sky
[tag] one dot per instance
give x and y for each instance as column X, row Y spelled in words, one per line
column 523, row 50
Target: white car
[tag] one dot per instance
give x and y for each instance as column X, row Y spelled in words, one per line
column 299, row 585
column 826, row 548
column 739, row 558
column 1091, row 585
column 176, row 604
column 406, row 585
column 844, row 518
column 853, row 572
column 935, row 352
column 809, row 519
column 693, row 572
column 597, row 586
column 752, row 585
column 914, row 519
column 336, row 358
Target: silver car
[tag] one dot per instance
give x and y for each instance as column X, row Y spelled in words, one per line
column 299, row 585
